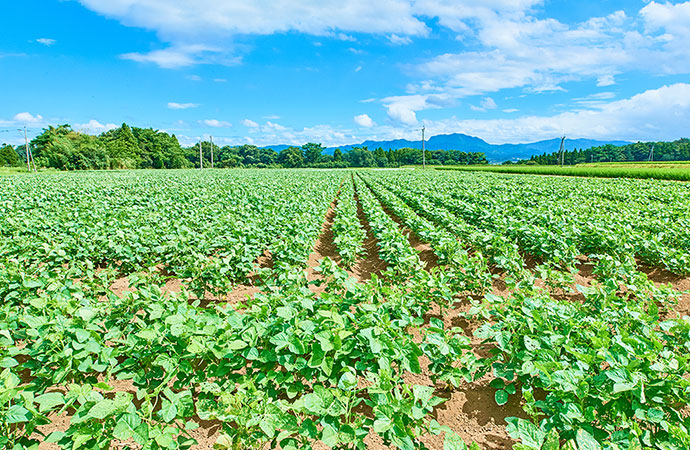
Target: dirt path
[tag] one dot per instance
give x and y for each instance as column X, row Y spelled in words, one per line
column 371, row 262
column 324, row 247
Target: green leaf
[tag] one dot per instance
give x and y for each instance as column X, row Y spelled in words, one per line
column 126, row 426
column 382, row 424
column 268, row 425
column 168, row 411
column 237, row 345
column 102, row 409
column 8, row 362
column 453, row 442
column 552, row 441
column 329, row 436
column 586, row 441
column 348, row 381
column 50, row 400
column 17, row 414
column 501, row 397
column 526, row 432
column 87, row 313
column 313, row 403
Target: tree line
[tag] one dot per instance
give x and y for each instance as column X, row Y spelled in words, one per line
column 126, row 147
column 640, row 151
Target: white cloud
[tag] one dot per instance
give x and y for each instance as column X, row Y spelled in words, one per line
column 272, row 117
column 595, row 99
column 220, row 80
column 358, row 68
column 363, row 120
column 45, row 41
column 486, row 104
column 179, row 19
column 399, row 40
column 403, row 108
column 178, row 56
column 675, row 18
column 25, row 117
column 215, row 123
column 510, row 110
column 174, row 105
column 656, row 114
column 193, row 77
column 345, row 37
column 93, row 127
column 250, row 123
column 605, row 80
column 529, row 53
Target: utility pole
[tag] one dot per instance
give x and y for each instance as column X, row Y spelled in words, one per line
column 561, row 151
column 423, row 149
column 211, row 152
column 201, row 157
column 29, row 156
column 28, row 149
column 651, row 154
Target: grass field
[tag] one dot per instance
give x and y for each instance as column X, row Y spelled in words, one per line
column 314, row 309
column 679, row 171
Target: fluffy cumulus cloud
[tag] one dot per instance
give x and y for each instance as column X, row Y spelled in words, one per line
column 185, row 19
column 501, row 45
column 486, row 104
column 27, row 118
column 215, row 123
column 175, row 105
column 250, row 123
column 655, row 114
column 93, row 127
column 662, row 113
column 512, row 48
column 363, row 120
column 193, row 29
column 403, row 108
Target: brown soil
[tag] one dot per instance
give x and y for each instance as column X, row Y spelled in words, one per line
column 371, row 262
column 680, row 283
column 323, row 248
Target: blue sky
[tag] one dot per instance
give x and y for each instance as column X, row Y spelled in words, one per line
column 342, row 71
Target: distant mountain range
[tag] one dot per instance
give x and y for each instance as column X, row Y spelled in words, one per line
column 465, row 143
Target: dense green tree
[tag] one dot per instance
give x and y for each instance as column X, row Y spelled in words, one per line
column 9, row 156
column 360, row 157
column 639, row 151
column 268, row 156
column 337, row 155
column 123, row 148
column 380, row 158
column 159, row 150
column 63, row 148
column 229, row 157
column 312, row 153
column 291, row 157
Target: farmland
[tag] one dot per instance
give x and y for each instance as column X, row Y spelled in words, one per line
column 671, row 170
column 343, row 309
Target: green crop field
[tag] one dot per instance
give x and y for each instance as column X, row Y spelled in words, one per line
column 300, row 309
column 679, row 171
